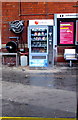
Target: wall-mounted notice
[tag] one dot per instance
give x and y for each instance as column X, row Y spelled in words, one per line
column 66, row 32
column 77, row 31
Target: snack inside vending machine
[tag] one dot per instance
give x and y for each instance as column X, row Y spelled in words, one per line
column 40, row 42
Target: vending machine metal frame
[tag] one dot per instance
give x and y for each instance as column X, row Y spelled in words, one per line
column 40, row 59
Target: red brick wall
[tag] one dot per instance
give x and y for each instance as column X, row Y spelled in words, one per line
column 11, row 11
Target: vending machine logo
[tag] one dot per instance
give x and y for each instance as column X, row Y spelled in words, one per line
column 36, row 22
column 41, row 22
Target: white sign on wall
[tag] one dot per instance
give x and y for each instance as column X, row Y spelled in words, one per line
column 41, row 22
column 67, row 15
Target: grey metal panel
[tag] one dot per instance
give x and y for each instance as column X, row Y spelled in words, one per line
column 55, row 39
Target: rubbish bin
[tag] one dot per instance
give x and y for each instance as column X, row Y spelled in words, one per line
column 23, row 60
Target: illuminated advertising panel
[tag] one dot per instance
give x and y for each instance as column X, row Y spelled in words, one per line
column 66, row 32
column 38, row 63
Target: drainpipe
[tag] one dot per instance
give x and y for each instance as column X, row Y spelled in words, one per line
column 75, row 6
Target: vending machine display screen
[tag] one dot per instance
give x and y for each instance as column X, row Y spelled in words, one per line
column 39, row 40
column 66, row 32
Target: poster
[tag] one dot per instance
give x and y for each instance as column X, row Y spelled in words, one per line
column 66, row 32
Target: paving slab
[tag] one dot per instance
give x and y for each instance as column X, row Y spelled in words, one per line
column 41, row 93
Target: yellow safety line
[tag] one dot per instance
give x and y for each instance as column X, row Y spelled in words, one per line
column 34, row 118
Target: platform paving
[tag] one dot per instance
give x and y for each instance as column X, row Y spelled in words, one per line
column 50, row 92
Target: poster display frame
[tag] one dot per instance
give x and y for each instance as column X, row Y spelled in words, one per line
column 58, row 30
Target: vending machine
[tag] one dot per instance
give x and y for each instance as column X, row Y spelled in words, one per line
column 39, row 38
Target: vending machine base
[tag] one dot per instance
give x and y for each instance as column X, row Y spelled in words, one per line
column 38, row 61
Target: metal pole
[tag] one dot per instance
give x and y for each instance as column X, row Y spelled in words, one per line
column 70, row 63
